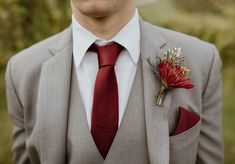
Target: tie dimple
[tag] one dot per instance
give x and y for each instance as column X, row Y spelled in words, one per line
column 108, row 54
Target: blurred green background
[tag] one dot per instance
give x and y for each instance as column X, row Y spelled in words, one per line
column 23, row 23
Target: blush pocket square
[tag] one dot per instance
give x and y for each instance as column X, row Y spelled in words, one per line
column 186, row 121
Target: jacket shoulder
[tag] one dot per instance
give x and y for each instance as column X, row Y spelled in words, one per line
column 26, row 65
column 35, row 53
column 172, row 36
column 192, row 47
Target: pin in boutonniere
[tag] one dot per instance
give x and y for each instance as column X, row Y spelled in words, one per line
column 170, row 72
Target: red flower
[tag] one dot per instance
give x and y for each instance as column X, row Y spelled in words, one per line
column 171, row 73
column 173, row 76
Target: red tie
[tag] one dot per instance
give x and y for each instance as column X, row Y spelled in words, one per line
column 104, row 119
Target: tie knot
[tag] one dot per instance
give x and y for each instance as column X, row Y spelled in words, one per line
column 108, row 54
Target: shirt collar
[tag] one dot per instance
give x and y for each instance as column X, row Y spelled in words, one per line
column 128, row 37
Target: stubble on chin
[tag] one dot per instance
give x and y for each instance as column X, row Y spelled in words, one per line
column 94, row 9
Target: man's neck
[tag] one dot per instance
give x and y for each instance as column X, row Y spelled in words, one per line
column 105, row 27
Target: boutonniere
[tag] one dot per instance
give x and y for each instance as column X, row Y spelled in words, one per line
column 171, row 73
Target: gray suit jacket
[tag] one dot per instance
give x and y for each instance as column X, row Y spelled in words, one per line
column 38, row 84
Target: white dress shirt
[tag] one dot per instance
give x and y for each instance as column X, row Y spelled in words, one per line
column 86, row 62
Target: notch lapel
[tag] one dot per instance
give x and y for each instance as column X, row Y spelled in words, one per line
column 156, row 117
column 53, row 100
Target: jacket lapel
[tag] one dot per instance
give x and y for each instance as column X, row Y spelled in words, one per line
column 156, row 117
column 53, row 101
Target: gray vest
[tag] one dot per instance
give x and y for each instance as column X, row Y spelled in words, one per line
column 130, row 143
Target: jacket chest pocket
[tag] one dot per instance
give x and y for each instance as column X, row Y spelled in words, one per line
column 183, row 147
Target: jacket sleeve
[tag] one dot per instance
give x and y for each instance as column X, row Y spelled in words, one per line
column 16, row 114
column 210, row 150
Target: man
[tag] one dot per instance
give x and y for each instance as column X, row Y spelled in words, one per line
column 87, row 95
